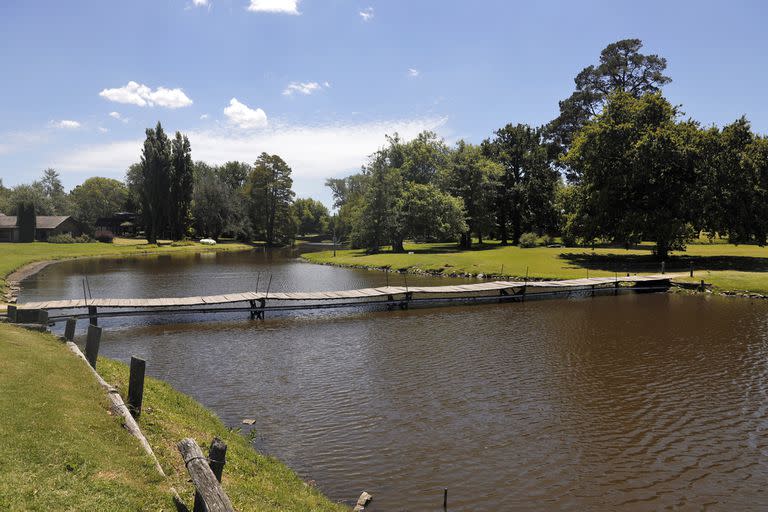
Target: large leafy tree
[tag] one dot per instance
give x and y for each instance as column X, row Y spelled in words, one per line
column 155, row 180
column 622, row 68
column 217, row 208
column 637, row 172
column 312, row 216
column 98, row 197
column 526, row 189
column 474, row 178
column 54, row 192
column 269, row 189
column 181, row 186
column 431, row 214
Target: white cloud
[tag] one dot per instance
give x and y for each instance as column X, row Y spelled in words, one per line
column 200, row 3
column 67, row 124
column 313, row 152
column 102, row 129
column 276, row 6
column 413, row 72
column 115, row 115
column 366, row 14
column 204, row 117
column 243, row 116
column 304, row 87
column 135, row 93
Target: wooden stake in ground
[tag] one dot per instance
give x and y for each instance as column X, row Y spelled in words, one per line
column 203, row 478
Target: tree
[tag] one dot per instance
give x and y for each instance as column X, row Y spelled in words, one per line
column 234, row 174
column 54, row 192
column 430, row 214
column 526, row 191
column 621, row 68
column 98, row 197
column 26, row 221
column 216, row 207
column 473, row 178
column 637, row 172
column 270, row 194
column 32, row 194
column 181, row 185
column 155, row 182
column 312, row 216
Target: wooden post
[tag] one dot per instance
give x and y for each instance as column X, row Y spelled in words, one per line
column 69, row 329
column 663, row 264
column 12, row 313
column 136, row 386
column 92, row 315
column 253, row 306
column 691, row 268
column 202, row 476
column 445, row 498
column 217, row 457
column 92, row 344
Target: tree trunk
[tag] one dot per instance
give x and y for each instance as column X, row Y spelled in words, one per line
column 662, row 249
column 503, row 231
column 466, row 240
column 397, row 246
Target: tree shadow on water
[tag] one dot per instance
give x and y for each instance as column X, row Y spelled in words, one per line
column 633, row 263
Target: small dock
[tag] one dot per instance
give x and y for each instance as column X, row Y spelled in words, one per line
column 256, row 303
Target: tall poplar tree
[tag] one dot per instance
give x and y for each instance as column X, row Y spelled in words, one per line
column 181, row 186
column 155, row 182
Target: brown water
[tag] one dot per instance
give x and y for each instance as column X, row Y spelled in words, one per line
column 636, row 402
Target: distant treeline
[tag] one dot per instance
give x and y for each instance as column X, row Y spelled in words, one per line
column 618, row 165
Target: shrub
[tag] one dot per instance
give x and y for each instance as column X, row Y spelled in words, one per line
column 182, row 243
column 67, row 238
column 528, row 240
column 546, row 240
column 105, row 236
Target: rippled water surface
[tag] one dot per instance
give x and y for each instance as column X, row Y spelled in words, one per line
column 636, row 402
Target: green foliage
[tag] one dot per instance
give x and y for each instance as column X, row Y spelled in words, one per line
column 155, row 182
column 26, row 221
column 98, row 197
column 528, row 240
column 473, row 178
column 622, row 68
column 525, row 195
column 216, row 207
column 181, row 186
column 312, row 216
column 430, row 214
column 270, row 193
column 67, row 238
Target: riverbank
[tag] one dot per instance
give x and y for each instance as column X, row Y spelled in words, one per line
column 20, row 261
column 64, row 451
column 730, row 269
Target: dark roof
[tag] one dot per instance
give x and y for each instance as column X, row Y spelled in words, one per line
column 43, row 221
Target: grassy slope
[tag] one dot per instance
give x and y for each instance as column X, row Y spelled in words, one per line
column 63, row 451
column 61, row 448
column 253, row 482
column 14, row 256
column 728, row 267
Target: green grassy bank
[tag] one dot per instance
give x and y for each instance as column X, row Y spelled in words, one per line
column 15, row 256
column 727, row 267
column 62, row 450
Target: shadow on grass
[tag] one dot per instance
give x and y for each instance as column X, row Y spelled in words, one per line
column 446, row 248
column 633, row 263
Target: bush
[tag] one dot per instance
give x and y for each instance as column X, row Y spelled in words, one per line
column 67, row 238
column 528, row 240
column 182, row 243
column 105, row 237
column 546, row 240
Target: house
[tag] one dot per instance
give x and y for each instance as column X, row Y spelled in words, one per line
column 119, row 224
column 45, row 227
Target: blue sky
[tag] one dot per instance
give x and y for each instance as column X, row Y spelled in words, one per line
column 321, row 81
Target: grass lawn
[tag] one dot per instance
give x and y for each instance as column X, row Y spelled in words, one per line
column 14, row 256
column 727, row 267
column 64, row 451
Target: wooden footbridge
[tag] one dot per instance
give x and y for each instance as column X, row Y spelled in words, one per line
column 255, row 303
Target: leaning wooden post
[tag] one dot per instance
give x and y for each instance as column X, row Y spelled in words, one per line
column 69, row 329
column 217, row 457
column 12, row 313
column 92, row 341
column 92, row 315
column 202, row 476
column 136, row 386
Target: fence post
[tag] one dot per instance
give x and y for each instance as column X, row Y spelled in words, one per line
column 12, row 313
column 136, row 386
column 202, row 476
column 662, row 266
column 69, row 329
column 92, row 344
column 217, row 457
column 92, row 312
